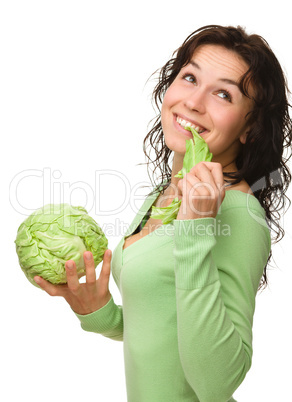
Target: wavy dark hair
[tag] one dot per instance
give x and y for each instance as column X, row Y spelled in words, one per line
column 262, row 160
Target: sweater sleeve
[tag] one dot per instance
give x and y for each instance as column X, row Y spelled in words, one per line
column 107, row 321
column 217, row 277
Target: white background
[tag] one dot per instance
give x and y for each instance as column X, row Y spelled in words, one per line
column 74, row 103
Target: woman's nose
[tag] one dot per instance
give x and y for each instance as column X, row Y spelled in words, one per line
column 196, row 100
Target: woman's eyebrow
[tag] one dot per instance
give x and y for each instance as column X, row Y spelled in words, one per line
column 226, row 80
column 194, row 64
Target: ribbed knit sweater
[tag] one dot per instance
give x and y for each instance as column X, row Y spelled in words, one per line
column 188, row 298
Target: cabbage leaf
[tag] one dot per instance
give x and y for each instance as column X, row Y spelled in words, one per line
column 197, row 151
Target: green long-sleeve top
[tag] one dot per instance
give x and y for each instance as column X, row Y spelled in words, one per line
column 188, row 298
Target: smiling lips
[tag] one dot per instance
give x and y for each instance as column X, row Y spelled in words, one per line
column 185, row 123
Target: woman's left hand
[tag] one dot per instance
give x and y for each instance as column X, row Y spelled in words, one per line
column 202, row 191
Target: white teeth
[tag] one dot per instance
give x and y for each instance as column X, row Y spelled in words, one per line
column 185, row 124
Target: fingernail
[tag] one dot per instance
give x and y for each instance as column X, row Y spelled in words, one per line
column 88, row 256
column 37, row 280
column 69, row 264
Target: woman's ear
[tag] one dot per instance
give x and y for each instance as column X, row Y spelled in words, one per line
column 243, row 136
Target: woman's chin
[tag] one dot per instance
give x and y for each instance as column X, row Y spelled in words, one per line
column 177, row 146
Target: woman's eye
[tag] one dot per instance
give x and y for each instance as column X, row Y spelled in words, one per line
column 224, row 95
column 189, row 78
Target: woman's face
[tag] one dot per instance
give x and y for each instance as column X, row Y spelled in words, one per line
column 205, row 95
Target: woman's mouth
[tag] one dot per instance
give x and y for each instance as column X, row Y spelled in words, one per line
column 184, row 124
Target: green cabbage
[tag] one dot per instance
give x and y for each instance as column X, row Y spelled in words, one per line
column 197, row 151
column 54, row 234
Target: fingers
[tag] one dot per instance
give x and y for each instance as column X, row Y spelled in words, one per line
column 201, row 182
column 210, row 177
column 203, row 191
column 72, row 277
column 89, row 268
column 209, row 172
column 52, row 290
column 105, row 270
column 217, row 172
column 61, row 290
column 83, row 298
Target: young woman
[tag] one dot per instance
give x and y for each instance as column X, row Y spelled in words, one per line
column 189, row 287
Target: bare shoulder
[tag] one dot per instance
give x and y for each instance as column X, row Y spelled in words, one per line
column 242, row 186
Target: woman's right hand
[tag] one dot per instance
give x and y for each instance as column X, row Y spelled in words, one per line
column 84, row 298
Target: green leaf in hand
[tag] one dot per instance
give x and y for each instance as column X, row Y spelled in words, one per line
column 197, row 150
column 167, row 214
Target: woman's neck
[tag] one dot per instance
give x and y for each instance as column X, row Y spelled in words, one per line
column 176, row 167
